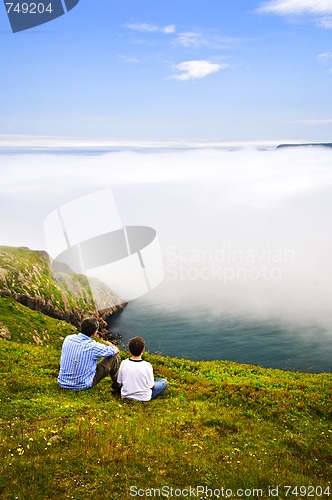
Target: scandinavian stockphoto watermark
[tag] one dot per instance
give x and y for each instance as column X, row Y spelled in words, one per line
column 86, row 236
column 24, row 15
column 227, row 263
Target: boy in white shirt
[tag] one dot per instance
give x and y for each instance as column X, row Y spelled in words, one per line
column 136, row 375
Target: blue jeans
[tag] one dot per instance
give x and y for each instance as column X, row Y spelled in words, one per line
column 160, row 386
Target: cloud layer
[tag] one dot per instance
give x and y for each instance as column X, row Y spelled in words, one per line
column 200, row 202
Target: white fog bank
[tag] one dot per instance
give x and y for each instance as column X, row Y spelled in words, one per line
column 240, row 231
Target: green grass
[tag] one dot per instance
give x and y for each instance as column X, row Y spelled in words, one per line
column 219, row 424
column 32, row 327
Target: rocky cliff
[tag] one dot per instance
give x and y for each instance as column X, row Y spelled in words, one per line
column 27, row 276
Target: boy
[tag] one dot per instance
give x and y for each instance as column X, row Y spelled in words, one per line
column 136, row 375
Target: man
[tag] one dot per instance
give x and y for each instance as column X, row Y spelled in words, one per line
column 78, row 364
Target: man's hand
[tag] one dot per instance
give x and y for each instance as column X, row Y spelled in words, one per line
column 117, row 350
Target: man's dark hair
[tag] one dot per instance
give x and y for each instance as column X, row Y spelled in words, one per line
column 136, row 345
column 89, row 326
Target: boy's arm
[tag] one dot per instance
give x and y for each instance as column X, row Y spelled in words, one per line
column 119, row 377
column 151, row 377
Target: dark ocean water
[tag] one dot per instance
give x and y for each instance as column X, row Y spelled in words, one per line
column 239, row 339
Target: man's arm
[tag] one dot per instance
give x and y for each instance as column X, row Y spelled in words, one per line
column 113, row 345
column 101, row 349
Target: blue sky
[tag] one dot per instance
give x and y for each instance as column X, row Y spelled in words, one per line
column 221, row 70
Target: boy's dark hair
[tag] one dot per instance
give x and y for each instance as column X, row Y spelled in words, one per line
column 89, row 326
column 136, row 345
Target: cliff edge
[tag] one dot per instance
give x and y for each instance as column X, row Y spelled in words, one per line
column 27, row 277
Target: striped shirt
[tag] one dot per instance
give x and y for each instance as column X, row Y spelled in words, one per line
column 78, row 361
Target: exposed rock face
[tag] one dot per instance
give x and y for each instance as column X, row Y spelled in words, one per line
column 26, row 276
column 4, row 332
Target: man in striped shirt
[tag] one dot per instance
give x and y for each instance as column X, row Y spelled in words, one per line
column 78, row 364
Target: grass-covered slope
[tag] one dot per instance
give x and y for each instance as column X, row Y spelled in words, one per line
column 20, row 324
column 219, row 424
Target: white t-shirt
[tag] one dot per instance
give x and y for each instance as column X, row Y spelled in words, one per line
column 136, row 377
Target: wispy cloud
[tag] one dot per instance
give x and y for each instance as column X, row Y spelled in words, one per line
column 196, row 39
column 151, row 28
column 326, row 23
column 192, row 39
column 191, row 70
column 284, row 7
column 324, row 57
column 128, row 59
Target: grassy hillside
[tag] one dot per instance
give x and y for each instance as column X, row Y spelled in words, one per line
column 27, row 276
column 219, row 424
column 20, row 324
